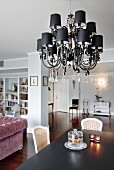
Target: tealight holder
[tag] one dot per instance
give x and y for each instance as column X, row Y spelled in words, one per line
column 92, row 137
column 97, row 138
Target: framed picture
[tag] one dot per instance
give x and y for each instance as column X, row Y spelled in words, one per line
column 33, row 80
column 45, row 81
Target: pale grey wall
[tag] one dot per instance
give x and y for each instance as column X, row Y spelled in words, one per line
column 34, row 97
column 15, row 63
column 38, row 95
column 50, row 96
column 44, row 97
column 88, row 91
column 50, row 92
column 73, row 92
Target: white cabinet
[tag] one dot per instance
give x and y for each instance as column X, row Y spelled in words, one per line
column 102, row 108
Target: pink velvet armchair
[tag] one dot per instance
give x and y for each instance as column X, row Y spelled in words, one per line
column 11, row 135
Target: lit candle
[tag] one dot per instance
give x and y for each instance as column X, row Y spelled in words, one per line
column 92, row 137
column 97, row 138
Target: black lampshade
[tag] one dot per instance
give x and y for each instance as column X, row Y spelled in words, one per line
column 46, row 39
column 55, row 21
column 90, row 50
column 53, row 50
column 80, row 18
column 62, row 35
column 83, row 36
column 100, row 50
column 39, row 47
column 91, row 27
column 97, row 42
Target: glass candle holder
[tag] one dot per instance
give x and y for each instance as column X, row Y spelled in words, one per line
column 80, row 133
column 92, row 137
column 97, row 138
column 70, row 136
column 73, row 137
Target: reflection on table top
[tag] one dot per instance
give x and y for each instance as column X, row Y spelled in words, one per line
column 97, row 156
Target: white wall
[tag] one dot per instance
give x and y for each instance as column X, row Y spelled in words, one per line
column 88, row 91
column 73, row 92
column 38, row 95
column 15, row 63
column 50, row 92
column 34, row 97
column 50, row 95
column 44, row 97
column 107, row 55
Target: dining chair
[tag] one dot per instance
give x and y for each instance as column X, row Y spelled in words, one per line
column 75, row 104
column 40, row 137
column 91, row 124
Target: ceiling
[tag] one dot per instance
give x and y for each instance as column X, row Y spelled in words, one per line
column 23, row 21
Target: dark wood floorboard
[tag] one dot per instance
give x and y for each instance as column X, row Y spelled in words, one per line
column 58, row 124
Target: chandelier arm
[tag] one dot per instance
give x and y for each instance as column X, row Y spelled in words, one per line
column 87, row 68
column 57, row 63
column 58, row 66
column 74, row 64
column 63, row 54
column 50, row 66
column 79, row 61
column 95, row 61
column 83, row 67
column 93, row 66
column 54, row 60
column 65, row 58
column 49, row 62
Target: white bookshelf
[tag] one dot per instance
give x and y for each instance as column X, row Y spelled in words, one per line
column 14, row 90
column 23, row 96
column 11, row 93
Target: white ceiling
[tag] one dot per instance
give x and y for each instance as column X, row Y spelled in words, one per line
column 23, row 21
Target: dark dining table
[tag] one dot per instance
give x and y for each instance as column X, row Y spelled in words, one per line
column 55, row 156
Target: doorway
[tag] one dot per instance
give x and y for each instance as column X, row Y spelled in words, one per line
column 61, row 96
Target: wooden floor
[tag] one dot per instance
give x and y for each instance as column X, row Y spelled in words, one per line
column 58, row 124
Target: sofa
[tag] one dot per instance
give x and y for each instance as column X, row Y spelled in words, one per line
column 11, row 135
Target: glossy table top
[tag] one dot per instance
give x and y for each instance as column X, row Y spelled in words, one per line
column 97, row 156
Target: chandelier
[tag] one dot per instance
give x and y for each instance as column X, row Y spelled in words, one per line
column 75, row 45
